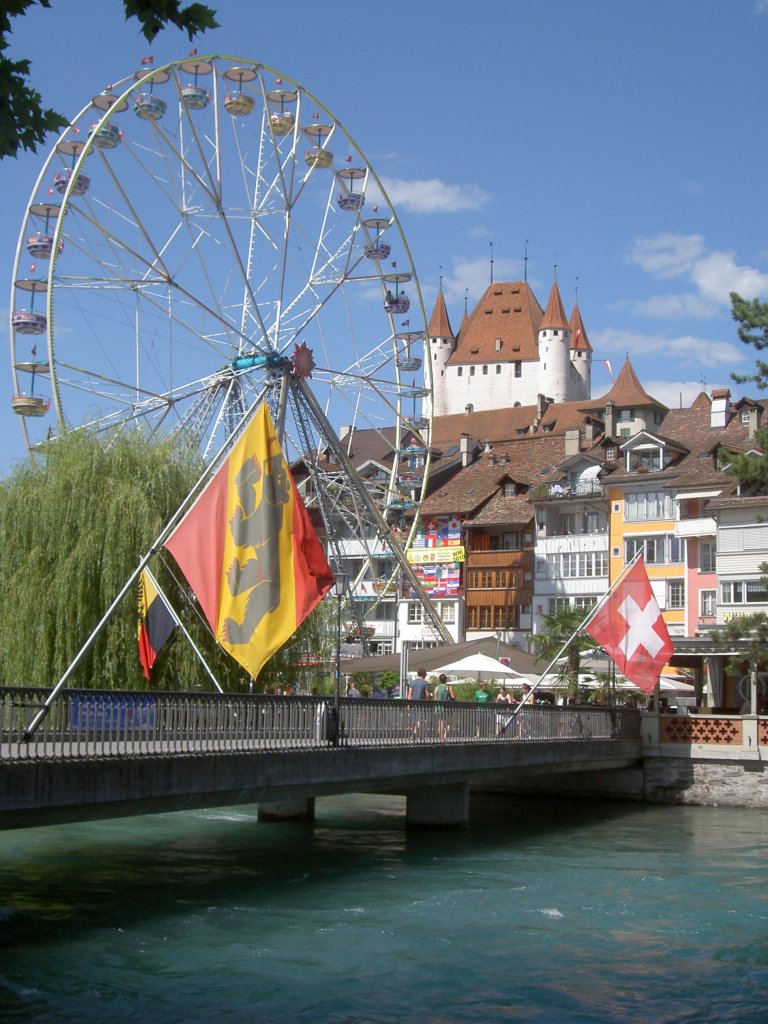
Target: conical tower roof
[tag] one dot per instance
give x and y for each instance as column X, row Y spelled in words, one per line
column 627, row 389
column 439, row 324
column 554, row 315
column 579, row 339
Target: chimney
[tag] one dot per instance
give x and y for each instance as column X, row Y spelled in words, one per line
column 541, row 406
column 571, row 443
column 466, row 450
column 753, row 422
column 719, row 410
column 589, row 432
column 610, row 418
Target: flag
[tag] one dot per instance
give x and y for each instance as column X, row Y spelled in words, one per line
column 607, row 364
column 406, row 323
column 146, row 61
column 631, row 630
column 249, row 551
column 155, row 622
column 193, row 53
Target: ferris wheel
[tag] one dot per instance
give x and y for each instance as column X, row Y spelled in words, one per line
column 207, row 232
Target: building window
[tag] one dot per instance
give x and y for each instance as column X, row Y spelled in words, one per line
column 485, row 371
column 707, row 556
column 510, row 541
column 448, row 612
column 460, row 372
column 661, row 550
column 498, row 344
column 414, row 614
column 708, row 604
column 743, row 592
column 509, row 490
column 647, row 505
column 471, row 371
column 676, row 594
column 518, row 368
column 498, row 367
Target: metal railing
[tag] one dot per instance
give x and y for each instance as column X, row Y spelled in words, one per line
column 97, row 724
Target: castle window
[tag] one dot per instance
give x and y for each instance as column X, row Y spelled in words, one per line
column 498, row 367
column 460, row 371
column 518, row 368
column 485, row 370
column 471, row 371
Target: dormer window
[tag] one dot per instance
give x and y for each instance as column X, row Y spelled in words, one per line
column 498, row 344
column 610, row 453
column 509, row 489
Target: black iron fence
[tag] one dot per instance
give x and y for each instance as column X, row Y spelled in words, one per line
column 95, row 724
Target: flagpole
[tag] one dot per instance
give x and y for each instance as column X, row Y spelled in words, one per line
column 184, row 630
column 582, row 625
column 183, row 510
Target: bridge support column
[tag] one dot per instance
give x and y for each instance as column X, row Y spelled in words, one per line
column 287, row 810
column 438, row 806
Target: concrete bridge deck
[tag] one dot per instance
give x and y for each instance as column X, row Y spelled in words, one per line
column 108, row 755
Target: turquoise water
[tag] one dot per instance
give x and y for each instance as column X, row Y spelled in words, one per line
column 542, row 912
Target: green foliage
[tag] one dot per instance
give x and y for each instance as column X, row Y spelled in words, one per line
column 752, row 317
column 747, row 637
column 558, row 628
column 24, row 122
column 73, row 527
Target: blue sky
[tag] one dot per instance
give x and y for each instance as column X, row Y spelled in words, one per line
column 624, row 141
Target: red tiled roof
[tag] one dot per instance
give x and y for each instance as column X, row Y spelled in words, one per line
column 554, row 314
column 627, row 389
column 579, row 339
column 509, row 312
column 439, row 324
column 497, row 425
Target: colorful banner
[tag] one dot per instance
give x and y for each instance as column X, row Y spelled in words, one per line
column 156, row 623
column 249, row 551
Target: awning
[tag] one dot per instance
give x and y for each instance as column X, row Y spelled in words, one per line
column 698, row 494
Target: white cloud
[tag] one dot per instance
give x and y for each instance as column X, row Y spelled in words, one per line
column 679, row 394
column 434, row 196
column 673, row 307
column 714, row 275
column 761, row 6
column 666, row 255
column 472, row 277
column 686, row 347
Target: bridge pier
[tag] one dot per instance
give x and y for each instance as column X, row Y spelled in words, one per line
column 287, row 810
column 438, row 806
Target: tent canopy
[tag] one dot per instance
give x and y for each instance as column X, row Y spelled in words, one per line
column 432, row 659
column 480, row 666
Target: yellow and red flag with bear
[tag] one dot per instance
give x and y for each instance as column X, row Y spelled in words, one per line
column 249, row 551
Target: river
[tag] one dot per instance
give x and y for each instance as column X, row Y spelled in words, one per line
column 543, row 911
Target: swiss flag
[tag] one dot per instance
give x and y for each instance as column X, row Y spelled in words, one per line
column 630, row 629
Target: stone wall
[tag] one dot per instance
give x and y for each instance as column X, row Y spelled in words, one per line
column 668, row 780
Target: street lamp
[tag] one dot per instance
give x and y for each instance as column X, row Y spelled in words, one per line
column 340, row 585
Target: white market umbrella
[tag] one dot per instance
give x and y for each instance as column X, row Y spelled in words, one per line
column 479, row 666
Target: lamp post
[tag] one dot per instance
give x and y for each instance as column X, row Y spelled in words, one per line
column 339, row 590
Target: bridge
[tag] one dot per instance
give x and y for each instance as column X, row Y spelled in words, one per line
column 103, row 754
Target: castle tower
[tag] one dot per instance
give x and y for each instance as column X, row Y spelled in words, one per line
column 440, row 345
column 555, row 380
column 581, row 352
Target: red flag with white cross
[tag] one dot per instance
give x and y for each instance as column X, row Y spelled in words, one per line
column 631, row 629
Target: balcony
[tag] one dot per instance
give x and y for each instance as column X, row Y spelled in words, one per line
column 591, row 489
column 499, row 559
column 704, row 527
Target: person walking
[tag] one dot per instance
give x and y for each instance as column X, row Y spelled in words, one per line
column 482, row 695
column 418, row 690
column 502, row 721
column 443, row 692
